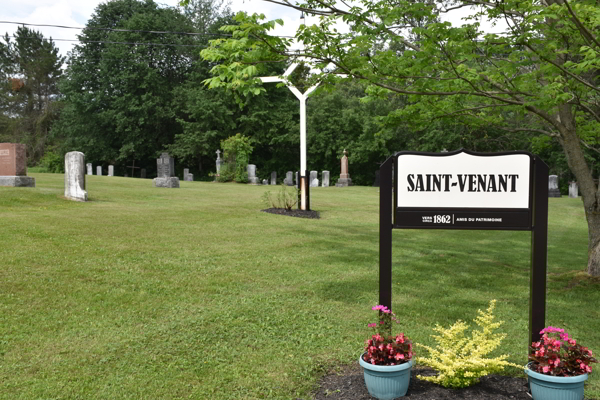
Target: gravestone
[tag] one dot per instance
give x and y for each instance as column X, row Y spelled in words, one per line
column 289, row 178
column 265, row 182
column 314, row 181
column 99, row 170
column 344, row 175
column 74, row 176
column 376, row 183
column 252, row 179
column 296, row 179
column 13, row 166
column 89, row 169
column 219, row 162
column 189, row 177
column 273, row 178
column 553, row 190
column 186, row 171
column 325, row 179
column 165, row 167
column 111, row 170
column 142, row 173
column 573, row 190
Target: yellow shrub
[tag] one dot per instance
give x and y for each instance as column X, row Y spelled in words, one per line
column 461, row 360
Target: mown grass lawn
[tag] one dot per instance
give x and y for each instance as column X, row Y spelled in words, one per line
column 149, row 293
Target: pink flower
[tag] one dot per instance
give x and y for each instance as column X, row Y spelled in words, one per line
column 381, row 322
column 572, row 342
column 582, row 366
column 399, row 356
column 545, row 369
column 373, row 325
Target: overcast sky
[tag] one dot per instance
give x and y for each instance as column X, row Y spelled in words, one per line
column 76, row 13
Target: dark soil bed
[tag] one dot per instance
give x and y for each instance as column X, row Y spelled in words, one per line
column 293, row 213
column 348, row 384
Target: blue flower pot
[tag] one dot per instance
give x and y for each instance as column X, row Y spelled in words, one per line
column 386, row 382
column 548, row 387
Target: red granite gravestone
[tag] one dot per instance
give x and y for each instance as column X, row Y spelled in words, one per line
column 13, row 160
column 13, row 165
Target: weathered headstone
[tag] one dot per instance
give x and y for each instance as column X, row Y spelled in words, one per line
column 74, row 176
column 289, row 178
column 143, row 173
column 296, row 181
column 89, row 169
column 376, row 182
column 111, row 170
column 99, row 170
column 314, row 181
column 325, row 178
column 219, row 162
column 573, row 190
column 186, row 171
column 265, row 182
column 274, row 178
column 165, row 167
column 553, row 190
column 344, row 175
column 189, row 177
column 252, row 179
column 13, row 166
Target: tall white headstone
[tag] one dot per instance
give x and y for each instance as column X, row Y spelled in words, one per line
column 274, row 178
column 75, row 176
column 252, row 179
column 325, row 178
column 573, row 190
column 111, row 170
column 289, row 178
column 89, row 169
column 99, row 170
column 314, row 181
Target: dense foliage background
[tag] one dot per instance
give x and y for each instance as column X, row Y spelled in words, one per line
column 126, row 94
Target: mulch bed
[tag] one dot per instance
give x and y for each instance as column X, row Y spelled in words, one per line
column 293, row 213
column 348, row 384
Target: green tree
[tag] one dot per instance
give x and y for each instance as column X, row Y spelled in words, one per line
column 30, row 68
column 541, row 71
column 122, row 80
column 236, row 153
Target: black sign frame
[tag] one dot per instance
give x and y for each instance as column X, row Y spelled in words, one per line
column 534, row 218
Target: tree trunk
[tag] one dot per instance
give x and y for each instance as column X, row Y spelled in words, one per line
column 593, row 267
column 589, row 190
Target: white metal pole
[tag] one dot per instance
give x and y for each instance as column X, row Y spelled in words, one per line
column 303, row 152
